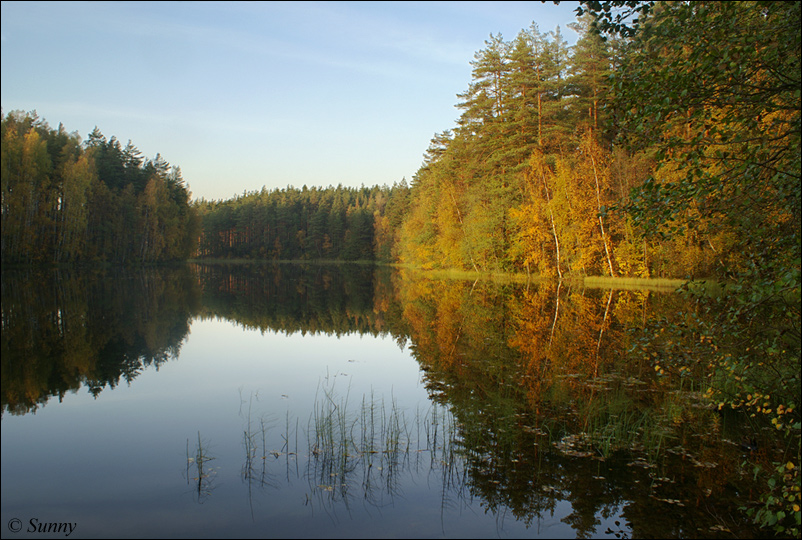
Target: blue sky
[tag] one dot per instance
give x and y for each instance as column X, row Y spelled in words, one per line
column 245, row 95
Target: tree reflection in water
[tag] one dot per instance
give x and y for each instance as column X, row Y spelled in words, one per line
column 66, row 329
column 540, row 393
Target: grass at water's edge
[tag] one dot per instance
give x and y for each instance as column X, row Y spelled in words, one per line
column 606, row 282
column 603, row 282
column 591, row 282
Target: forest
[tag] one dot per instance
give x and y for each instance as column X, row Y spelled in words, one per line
column 305, row 224
column 672, row 153
column 664, row 144
column 64, row 201
column 624, row 155
column 640, row 151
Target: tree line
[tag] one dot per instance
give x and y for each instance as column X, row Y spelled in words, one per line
column 64, row 201
column 305, row 224
column 476, row 202
column 624, row 155
column 694, row 142
column 635, row 152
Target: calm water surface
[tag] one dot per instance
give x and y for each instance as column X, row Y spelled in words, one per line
column 345, row 401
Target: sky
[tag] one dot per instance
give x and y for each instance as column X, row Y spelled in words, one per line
column 245, row 95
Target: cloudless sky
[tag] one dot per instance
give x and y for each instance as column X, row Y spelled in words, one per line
column 242, row 95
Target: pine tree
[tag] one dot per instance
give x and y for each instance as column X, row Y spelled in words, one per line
column 589, row 76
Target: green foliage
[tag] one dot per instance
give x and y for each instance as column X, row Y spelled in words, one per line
column 304, row 224
column 616, row 17
column 703, row 180
column 713, row 89
column 101, row 203
column 467, row 196
column 779, row 508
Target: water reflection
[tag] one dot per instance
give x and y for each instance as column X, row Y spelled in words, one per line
column 538, row 409
column 200, row 475
column 551, row 407
column 332, row 299
column 64, row 330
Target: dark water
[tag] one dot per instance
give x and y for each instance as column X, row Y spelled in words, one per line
column 348, row 401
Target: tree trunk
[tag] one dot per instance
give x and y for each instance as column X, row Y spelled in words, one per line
column 601, row 220
column 553, row 226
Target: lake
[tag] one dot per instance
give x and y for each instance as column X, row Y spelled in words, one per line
column 261, row 400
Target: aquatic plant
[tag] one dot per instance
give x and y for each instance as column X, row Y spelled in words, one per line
column 198, row 474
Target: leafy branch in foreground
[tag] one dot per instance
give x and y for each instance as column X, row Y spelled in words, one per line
column 713, row 89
